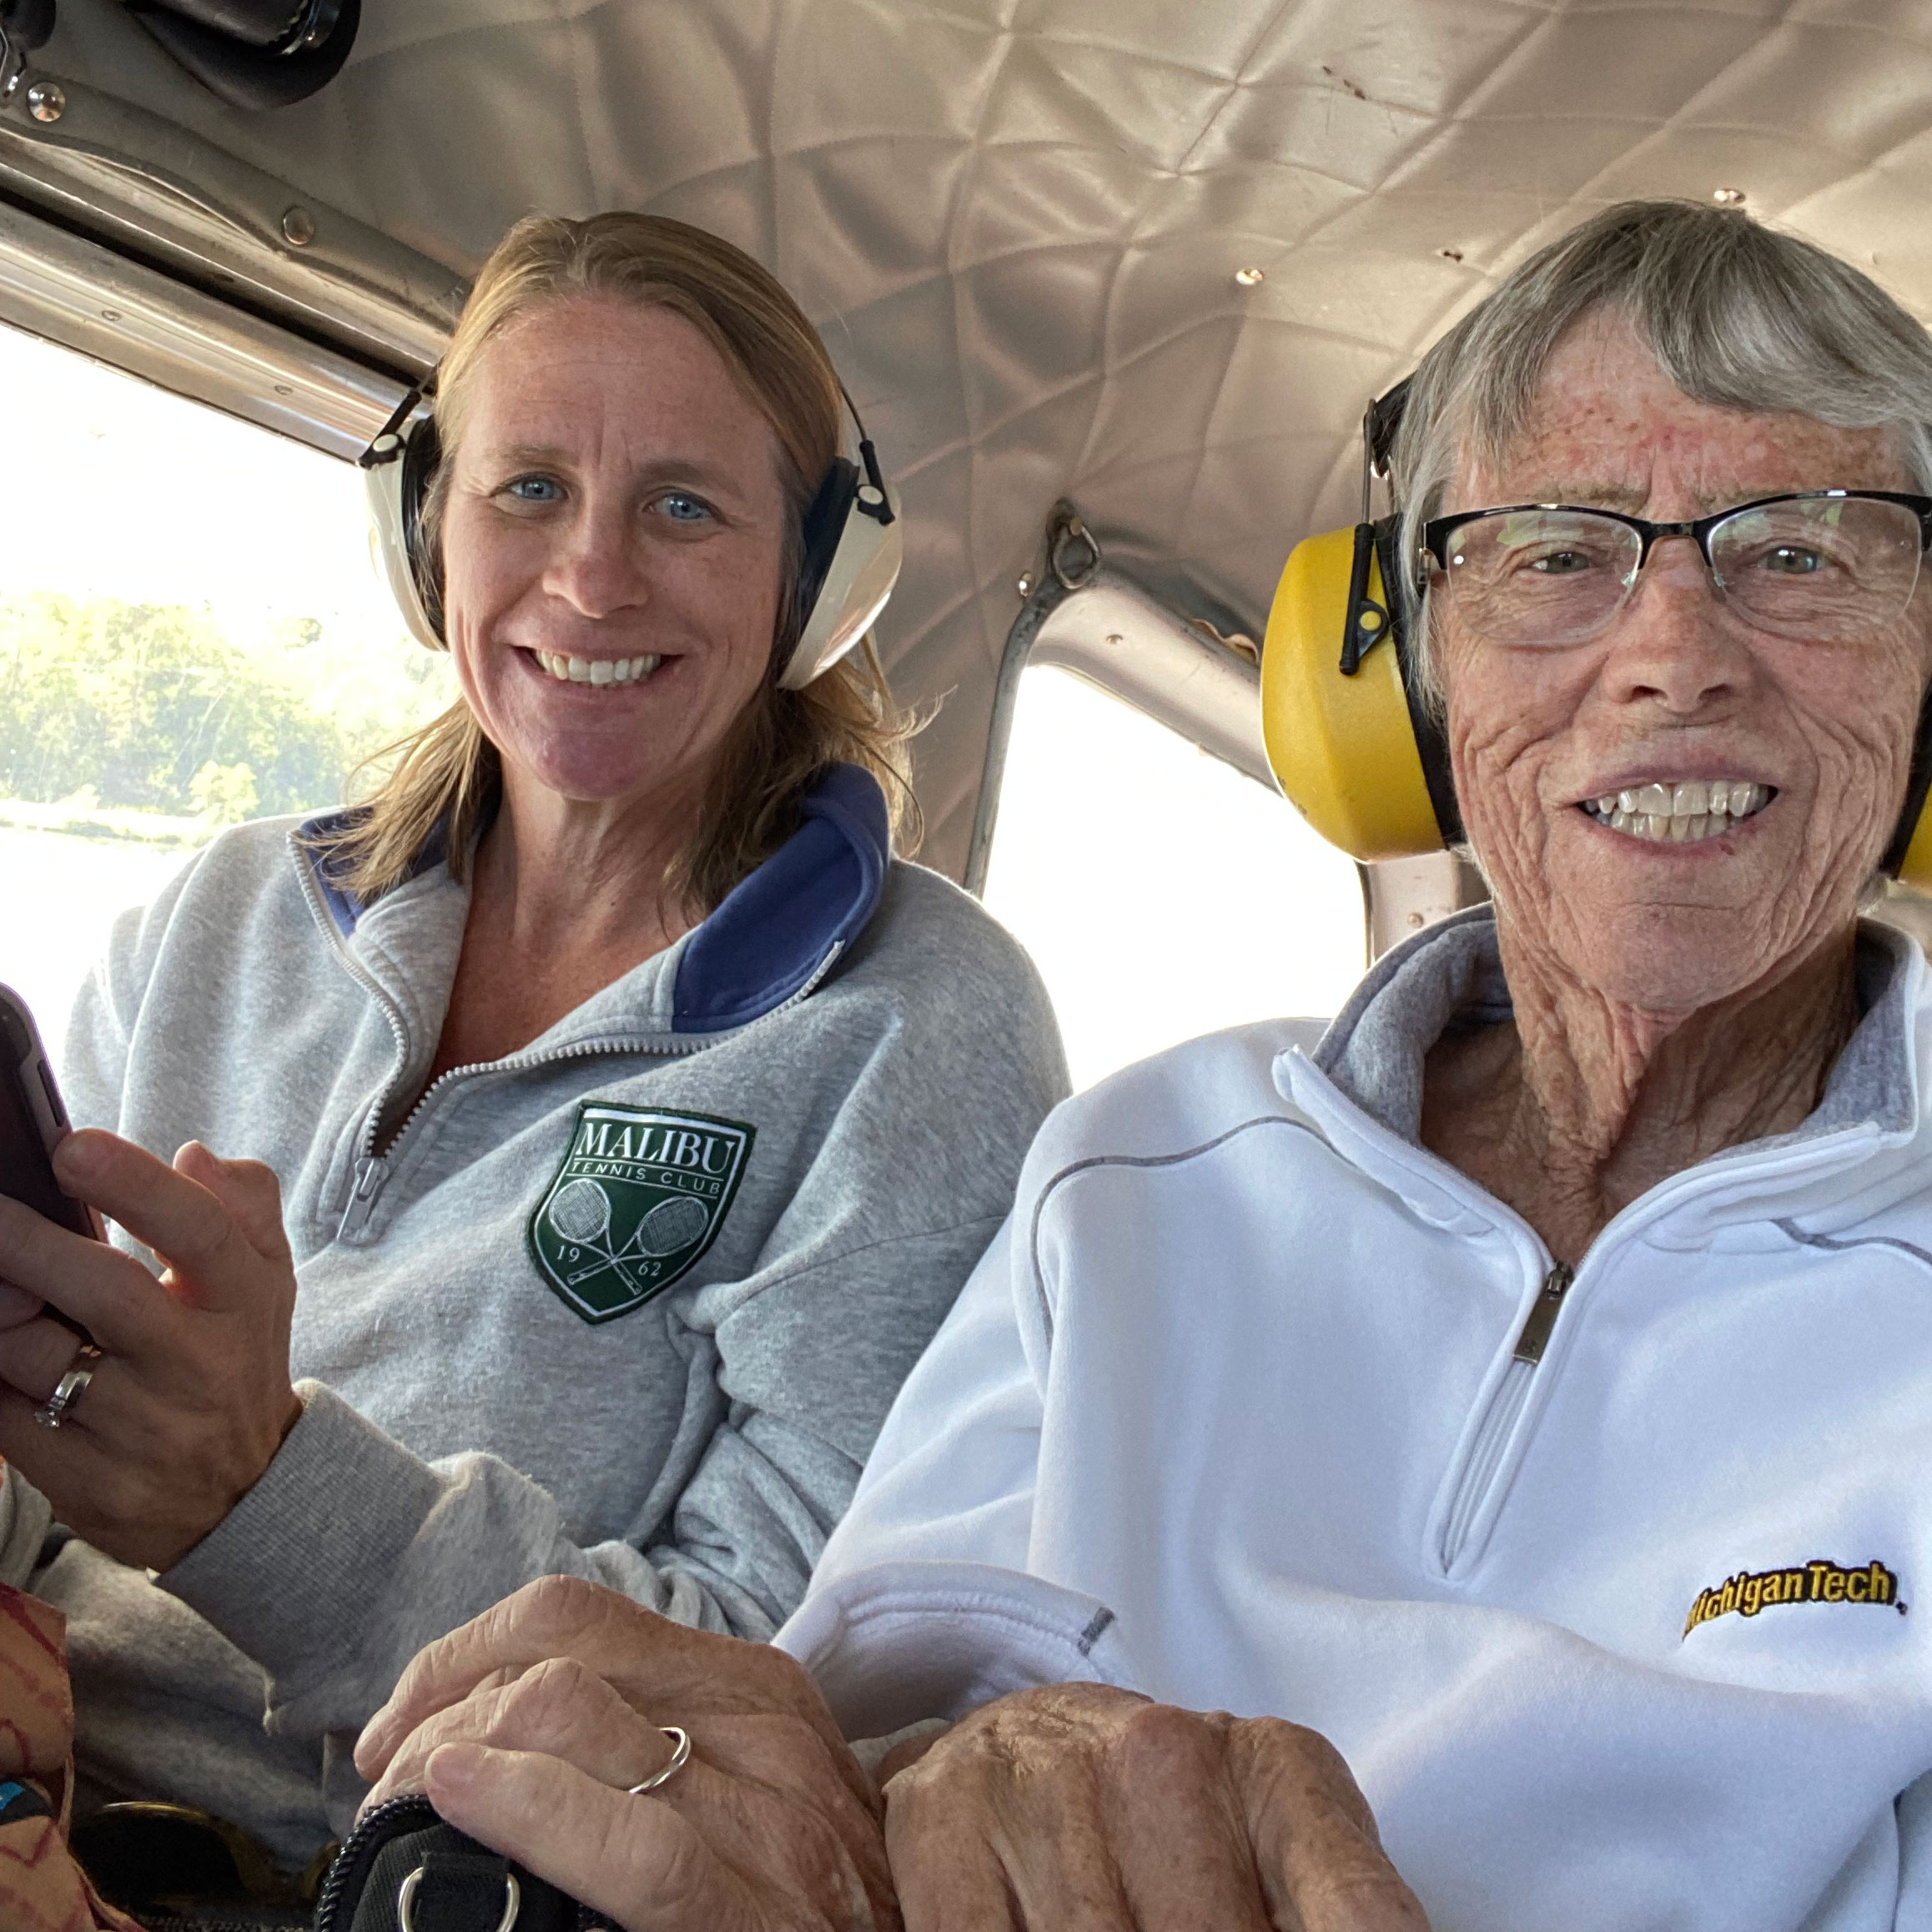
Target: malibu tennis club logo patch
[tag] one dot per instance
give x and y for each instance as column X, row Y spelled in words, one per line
column 640, row 1197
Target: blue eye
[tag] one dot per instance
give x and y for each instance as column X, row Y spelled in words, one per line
column 534, row 488
column 682, row 508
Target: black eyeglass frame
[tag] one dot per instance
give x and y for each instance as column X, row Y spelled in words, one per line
column 1437, row 533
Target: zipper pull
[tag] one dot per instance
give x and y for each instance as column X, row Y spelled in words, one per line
column 1542, row 1316
column 370, row 1173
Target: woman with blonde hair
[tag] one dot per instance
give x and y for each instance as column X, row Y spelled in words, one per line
column 636, row 1114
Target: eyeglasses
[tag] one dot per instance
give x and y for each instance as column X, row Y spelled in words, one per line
column 1827, row 565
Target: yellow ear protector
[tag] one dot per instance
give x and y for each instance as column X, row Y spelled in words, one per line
column 1351, row 742
column 1352, row 745
column 853, row 540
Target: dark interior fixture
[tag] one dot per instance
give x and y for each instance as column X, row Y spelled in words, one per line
column 253, row 53
column 27, row 24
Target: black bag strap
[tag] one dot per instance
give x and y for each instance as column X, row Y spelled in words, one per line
column 403, row 1870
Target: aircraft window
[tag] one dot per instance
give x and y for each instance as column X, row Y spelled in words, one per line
column 1161, row 893
column 190, row 634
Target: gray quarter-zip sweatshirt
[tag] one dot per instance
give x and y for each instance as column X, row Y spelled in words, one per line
column 629, row 1304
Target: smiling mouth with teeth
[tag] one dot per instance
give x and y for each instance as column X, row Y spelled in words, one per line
column 1680, row 814
column 596, row 670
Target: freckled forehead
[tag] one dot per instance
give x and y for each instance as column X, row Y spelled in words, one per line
column 1607, row 425
column 643, row 371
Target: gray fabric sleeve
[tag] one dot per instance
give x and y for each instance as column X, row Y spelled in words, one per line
column 25, row 1518
column 351, row 1553
column 100, row 1028
column 93, row 1062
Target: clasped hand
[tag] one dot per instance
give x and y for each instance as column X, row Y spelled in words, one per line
column 191, row 1397
column 1080, row 1805
column 529, row 1725
column 1074, row 1805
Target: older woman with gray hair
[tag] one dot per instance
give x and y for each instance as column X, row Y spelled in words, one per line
column 1512, row 1403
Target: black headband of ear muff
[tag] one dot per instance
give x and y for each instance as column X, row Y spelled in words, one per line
column 421, row 453
column 418, row 449
column 1918, row 784
column 1378, row 541
column 1424, row 719
column 846, row 489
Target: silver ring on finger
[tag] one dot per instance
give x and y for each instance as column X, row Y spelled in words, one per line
column 69, row 1389
column 680, row 1753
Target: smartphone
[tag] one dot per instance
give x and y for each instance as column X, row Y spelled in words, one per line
column 31, row 1121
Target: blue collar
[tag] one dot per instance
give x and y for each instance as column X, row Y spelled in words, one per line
column 775, row 929
column 770, row 936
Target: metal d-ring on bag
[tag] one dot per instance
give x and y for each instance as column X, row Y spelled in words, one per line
column 405, row 1900
column 403, row 1870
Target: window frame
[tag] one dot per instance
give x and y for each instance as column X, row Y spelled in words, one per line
column 82, row 296
column 1083, row 616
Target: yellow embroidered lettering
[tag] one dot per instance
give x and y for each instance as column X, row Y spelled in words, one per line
column 1817, row 1580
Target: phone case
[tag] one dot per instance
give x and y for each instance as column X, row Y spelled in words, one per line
column 32, row 1120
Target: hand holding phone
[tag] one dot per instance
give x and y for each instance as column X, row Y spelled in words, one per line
column 217, row 1319
column 33, row 1121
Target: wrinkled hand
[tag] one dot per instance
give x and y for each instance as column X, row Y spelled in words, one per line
column 191, row 1398
column 1082, row 1805
column 528, row 1726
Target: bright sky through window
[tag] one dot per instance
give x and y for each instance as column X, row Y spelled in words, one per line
column 182, row 589
column 1162, row 893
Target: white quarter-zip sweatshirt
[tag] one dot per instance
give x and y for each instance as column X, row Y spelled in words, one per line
column 1615, row 1592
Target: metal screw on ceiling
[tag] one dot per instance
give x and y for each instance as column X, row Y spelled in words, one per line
column 1728, row 197
column 1116, row 639
column 46, row 100
column 1250, row 278
column 297, row 227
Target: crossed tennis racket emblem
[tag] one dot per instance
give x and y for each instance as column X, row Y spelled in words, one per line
column 580, row 1212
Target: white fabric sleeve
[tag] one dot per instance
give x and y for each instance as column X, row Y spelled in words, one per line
column 1914, row 1811
column 921, row 1606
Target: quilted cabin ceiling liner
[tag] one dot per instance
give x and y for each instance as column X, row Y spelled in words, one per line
column 1019, row 225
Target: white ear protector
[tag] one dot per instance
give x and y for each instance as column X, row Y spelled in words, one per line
column 853, row 546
